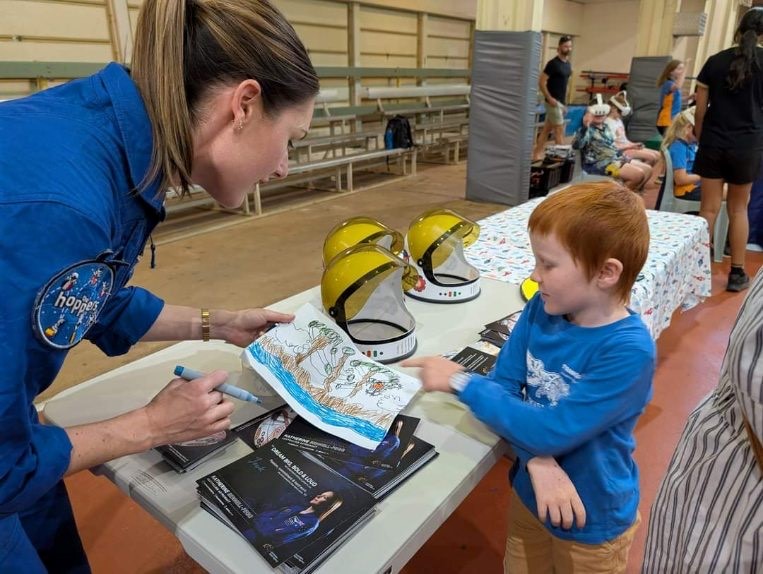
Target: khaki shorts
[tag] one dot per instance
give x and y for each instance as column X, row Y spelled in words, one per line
column 531, row 549
column 554, row 114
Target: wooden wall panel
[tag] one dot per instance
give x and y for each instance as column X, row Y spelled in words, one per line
column 54, row 19
column 28, row 51
column 54, row 31
column 79, row 31
column 449, row 28
column 388, row 20
column 320, row 12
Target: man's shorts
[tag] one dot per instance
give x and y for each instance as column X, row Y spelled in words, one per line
column 554, row 114
column 736, row 167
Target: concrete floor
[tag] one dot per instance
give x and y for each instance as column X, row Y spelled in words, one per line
column 266, row 259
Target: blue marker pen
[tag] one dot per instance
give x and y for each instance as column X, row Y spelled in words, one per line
column 233, row 391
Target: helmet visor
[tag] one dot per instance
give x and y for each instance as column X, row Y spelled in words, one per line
column 353, row 276
column 380, row 315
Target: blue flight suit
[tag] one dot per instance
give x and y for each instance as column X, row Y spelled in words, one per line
column 71, row 159
column 284, row 525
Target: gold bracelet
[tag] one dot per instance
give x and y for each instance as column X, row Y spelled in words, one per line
column 205, row 325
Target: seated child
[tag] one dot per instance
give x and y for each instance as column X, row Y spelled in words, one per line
column 619, row 109
column 682, row 147
column 569, row 385
column 596, row 143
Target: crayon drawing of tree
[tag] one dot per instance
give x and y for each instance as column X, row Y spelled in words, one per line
column 370, row 374
column 321, row 336
column 347, row 352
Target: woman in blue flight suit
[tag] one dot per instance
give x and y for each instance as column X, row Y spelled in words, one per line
column 215, row 94
column 273, row 528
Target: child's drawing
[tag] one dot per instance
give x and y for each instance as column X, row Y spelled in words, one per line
column 317, row 369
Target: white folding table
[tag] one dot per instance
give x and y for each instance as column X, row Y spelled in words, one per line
column 403, row 522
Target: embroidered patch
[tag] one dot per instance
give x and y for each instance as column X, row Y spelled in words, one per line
column 69, row 304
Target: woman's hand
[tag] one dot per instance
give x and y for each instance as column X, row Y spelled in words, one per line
column 555, row 494
column 587, row 117
column 435, row 372
column 242, row 327
column 186, row 410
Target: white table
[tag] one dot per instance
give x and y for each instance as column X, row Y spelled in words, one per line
column 403, row 522
column 676, row 274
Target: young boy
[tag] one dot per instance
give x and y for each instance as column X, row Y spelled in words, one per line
column 600, row 155
column 570, row 384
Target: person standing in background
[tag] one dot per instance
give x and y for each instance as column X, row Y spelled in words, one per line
column 729, row 127
column 670, row 82
column 553, row 86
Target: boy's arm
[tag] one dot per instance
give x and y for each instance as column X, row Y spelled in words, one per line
column 616, row 387
column 583, row 136
column 556, row 496
column 509, row 371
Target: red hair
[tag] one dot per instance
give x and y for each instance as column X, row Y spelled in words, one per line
column 595, row 222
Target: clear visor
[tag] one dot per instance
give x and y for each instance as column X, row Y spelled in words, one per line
column 449, row 264
column 395, row 277
column 379, row 309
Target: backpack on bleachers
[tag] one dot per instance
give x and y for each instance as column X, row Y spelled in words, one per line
column 397, row 134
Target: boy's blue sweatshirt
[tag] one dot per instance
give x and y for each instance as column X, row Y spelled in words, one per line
column 574, row 393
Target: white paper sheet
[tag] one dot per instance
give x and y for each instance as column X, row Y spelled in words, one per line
column 315, row 367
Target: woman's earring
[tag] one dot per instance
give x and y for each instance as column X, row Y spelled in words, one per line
column 238, row 127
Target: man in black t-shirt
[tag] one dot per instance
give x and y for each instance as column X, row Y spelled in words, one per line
column 553, row 86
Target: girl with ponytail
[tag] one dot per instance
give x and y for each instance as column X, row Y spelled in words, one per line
column 729, row 127
column 215, row 93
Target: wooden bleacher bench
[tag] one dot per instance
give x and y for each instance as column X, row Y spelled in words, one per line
column 341, row 167
column 331, row 117
column 430, row 120
column 310, row 171
column 334, row 145
column 385, row 93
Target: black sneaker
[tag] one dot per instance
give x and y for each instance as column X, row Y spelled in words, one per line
column 738, row 281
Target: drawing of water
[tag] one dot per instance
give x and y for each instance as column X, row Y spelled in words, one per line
column 328, row 416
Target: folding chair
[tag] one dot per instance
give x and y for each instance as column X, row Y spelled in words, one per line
column 667, row 201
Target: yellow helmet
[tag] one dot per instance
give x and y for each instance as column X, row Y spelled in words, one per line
column 435, row 243
column 361, row 291
column 528, row 289
column 360, row 230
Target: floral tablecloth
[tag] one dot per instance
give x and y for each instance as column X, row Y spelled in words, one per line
column 676, row 274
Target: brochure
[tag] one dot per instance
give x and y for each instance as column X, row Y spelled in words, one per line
column 477, row 359
column 263, row 429
column 380, row 481
column 281, row 500
column 305, row 436
column 187, row 455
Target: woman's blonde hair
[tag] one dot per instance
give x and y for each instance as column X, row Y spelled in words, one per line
column 678, row 127
column 185, row 48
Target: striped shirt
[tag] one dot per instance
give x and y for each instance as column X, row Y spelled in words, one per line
column 708, row 514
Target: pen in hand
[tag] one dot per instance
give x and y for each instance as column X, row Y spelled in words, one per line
column 225, row 388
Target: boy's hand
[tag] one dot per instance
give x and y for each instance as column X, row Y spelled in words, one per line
column 555, row 494
column 435, row 372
